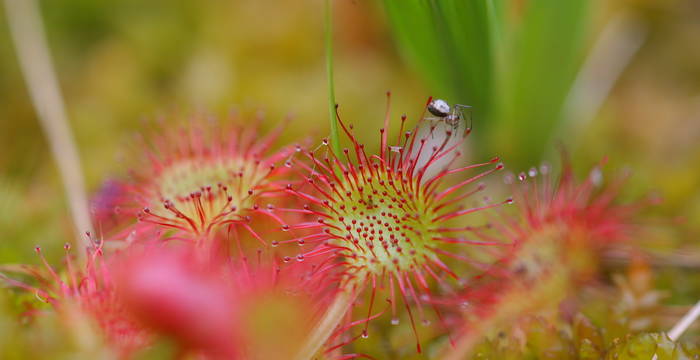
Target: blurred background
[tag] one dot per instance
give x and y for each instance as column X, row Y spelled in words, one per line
column 614, row 78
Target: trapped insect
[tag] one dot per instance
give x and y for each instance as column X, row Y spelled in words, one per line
column 451, row 116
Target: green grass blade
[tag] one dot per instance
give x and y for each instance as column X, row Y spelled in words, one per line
column 514, row 62
column 419, row 40
column 445, row 41
column 541, row 65
column 334, row 136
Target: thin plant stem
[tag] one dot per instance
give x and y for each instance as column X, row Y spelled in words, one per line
column 333, row 316
column 328, row 19
column 35, row 61
column 682, row 325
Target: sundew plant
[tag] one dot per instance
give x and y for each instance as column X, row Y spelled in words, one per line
column 511, row 197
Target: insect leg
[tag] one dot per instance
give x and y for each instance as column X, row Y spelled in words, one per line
column 463, row 112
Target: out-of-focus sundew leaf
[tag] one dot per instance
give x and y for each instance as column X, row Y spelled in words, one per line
column 645, row 346
column 537, row 338
column 514, row 62
column 587, row 338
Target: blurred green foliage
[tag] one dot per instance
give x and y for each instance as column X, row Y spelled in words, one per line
column 513, row 61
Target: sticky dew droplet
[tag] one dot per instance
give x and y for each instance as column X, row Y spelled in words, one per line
column 532, row 172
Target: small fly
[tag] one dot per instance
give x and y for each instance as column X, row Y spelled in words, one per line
column 452, row 116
